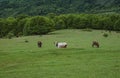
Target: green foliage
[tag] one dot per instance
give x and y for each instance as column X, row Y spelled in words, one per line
column 51, row 15
column 21, row 16
column 70, row 20
column 26, row 41
column 38, row 25
column 20, row 26
column 2, row 25
column 7, row 25
column 43, row 7
column 105, row 35
column 80, row 22
column 10, row 35
column 11, row 24
column 60, row 24
column 117, row 25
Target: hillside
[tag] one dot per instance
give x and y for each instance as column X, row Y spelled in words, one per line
column 43, row 7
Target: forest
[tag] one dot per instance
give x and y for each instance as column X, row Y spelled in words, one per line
column 38, row 25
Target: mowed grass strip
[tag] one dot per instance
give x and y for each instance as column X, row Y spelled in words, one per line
column 79, row 60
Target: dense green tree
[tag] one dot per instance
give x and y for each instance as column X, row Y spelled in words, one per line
column 60, row 24
column 38, row 25
column 60, row 19
column 8, row 24
column 96, row 23
column 51, row 15
column 21, row 16
column 80, row 22
column 2, row 25
column 117, row 25
column 20, row 26
column 70, row 20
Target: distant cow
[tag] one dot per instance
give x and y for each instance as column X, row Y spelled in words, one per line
column 95, row 44
column 39, row 43
column 61, row 44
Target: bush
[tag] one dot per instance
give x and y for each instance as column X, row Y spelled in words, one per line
column 105, row 35
column 10, row 35
column 117, row 25
column 38, row 25
column 26, row 41
column 19, row 34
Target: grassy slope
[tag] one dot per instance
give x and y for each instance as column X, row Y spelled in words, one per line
column 79, row 60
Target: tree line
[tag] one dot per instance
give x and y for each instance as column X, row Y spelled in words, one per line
column 38, row 25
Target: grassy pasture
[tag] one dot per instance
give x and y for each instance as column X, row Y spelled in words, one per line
column 25, row 60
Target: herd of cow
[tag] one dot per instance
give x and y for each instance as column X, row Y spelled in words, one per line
column 64, row 44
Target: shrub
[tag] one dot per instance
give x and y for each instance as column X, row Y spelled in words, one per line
column 26, row 41
column 10, row 35
column 38, row 25
column 105, row 35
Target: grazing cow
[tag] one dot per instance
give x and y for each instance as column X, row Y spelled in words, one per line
column 95, row 43
column 61, row 44
column 39, row 44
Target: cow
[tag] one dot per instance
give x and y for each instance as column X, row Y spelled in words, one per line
column 39, row 43
column 61, row 44
column 95, row 44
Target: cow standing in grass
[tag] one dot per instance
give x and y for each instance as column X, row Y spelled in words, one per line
column 61, row 44
column 95, row 44
column 39, row 44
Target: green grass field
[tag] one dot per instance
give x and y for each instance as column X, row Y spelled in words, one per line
column 79, row 60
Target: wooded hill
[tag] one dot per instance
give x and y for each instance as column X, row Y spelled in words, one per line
column 43, row 7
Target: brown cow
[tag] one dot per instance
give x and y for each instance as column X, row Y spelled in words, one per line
column 39, row 44
column 95, row 43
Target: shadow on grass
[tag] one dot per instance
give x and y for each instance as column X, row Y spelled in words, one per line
column 62, row 51
column 65, row 49
column 3, row 53
column 53, row 33
column 74, row 49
